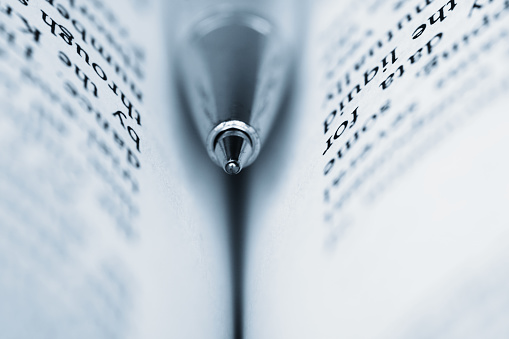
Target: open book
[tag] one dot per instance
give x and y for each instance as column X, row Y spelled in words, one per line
column 377, row 209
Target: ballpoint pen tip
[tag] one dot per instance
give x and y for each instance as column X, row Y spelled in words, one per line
column 232, row 168
column 232, row 150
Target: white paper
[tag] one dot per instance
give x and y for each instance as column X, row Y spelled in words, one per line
column 91, row 246
column 412, row 240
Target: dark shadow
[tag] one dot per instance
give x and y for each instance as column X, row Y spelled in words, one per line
column 237, row 202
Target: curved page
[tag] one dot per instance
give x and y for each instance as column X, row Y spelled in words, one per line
column 111, row 224
column 381, row 209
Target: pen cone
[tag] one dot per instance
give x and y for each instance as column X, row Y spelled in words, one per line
column 232, row 149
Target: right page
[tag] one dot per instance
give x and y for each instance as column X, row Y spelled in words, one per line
column 379, row 208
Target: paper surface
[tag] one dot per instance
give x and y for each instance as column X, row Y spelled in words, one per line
column 111, row 224
column 379, row 212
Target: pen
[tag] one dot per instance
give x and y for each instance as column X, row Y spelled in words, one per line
column 234, row 60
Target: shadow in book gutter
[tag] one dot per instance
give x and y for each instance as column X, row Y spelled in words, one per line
column 237, row 202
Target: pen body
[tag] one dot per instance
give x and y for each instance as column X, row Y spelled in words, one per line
column 234, row 65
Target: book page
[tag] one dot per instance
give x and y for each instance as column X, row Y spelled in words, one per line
column 379, row 206
column 111, row 224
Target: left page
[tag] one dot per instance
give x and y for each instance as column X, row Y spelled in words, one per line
column 110, row 226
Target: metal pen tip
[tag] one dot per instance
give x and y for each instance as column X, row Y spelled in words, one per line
column 232, row 168
column 232, row 150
